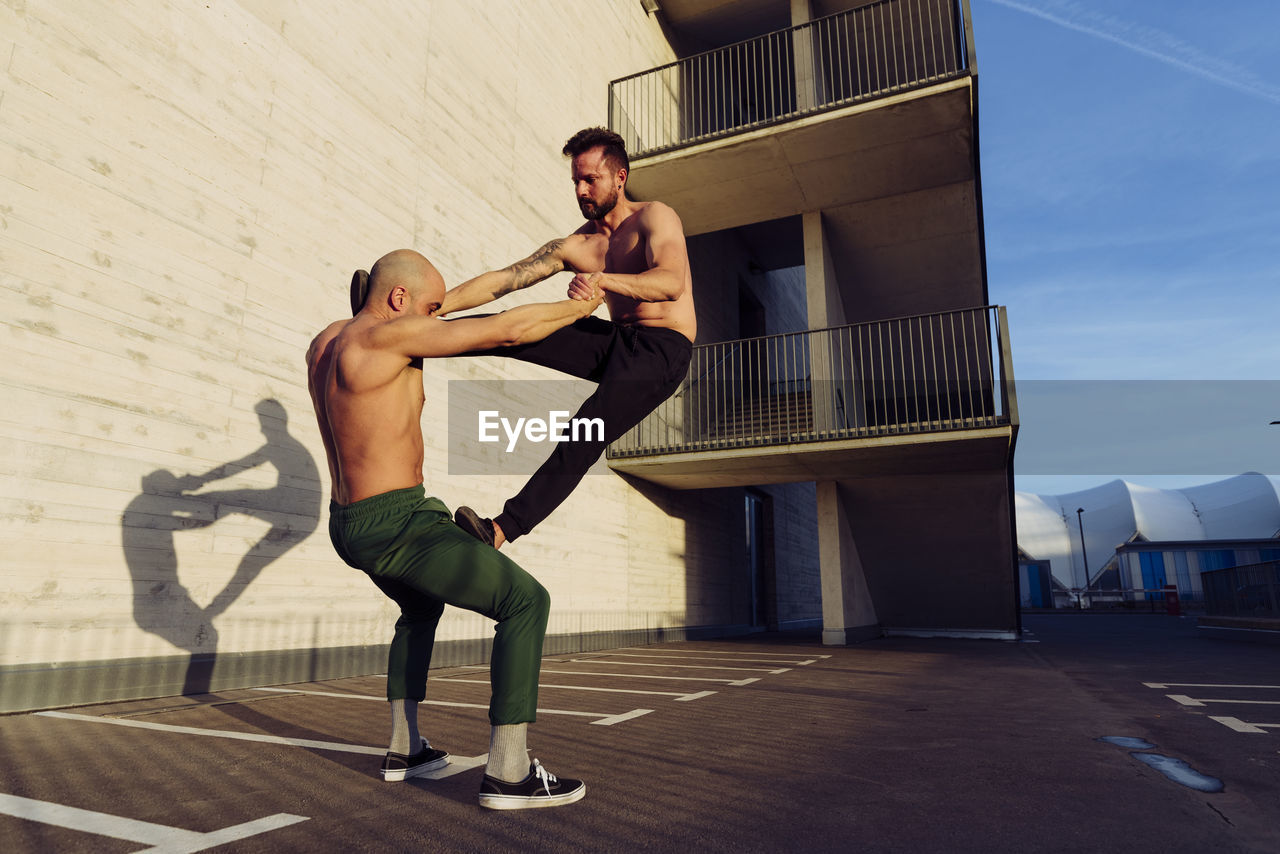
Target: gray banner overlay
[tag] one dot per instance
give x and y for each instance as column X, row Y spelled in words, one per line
column 1177, row 427
column 512, row 426
column 1084, row 427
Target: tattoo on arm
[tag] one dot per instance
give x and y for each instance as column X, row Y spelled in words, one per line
column 538, row 266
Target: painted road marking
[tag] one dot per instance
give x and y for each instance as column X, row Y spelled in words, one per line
column 626, row 716
column 1203, row 685
column 734, row 682
column 222, row 733
column 684, row 666
column 703, row 658
column 606, row 719
column 1241, row 726
column 457, row 764
column 677, row 694
column 162, row 838
column 1192, row 701
column 723, row 652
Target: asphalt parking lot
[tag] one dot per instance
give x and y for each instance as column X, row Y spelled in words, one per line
column 765, row 743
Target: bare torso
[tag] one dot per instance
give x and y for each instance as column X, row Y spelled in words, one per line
column 368, row 403
column 628, row 253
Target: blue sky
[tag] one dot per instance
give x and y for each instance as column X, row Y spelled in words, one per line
column 1131, row 191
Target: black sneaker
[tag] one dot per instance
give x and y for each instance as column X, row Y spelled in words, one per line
column 539, row 789
column 475, row 525
column 397, row 766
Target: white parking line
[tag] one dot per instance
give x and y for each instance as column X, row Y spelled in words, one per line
column 721, row 652
column 222, row 733
column 685, row 666
column 625, row 716
column 1240, row 726
column 541, row 685
column 162, row 838
column 703, row 658
column 606, row 719
column 734, row 682
column 1163, row 685
column 698, row 696
column 457, row 764
column 1192, row 701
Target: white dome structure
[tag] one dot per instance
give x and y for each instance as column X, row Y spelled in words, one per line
column 1238, row 508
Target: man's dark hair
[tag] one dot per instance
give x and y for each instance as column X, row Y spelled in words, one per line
column 615, row 148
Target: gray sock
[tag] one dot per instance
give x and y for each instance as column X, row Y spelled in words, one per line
column 404, row 727
column 508, row 754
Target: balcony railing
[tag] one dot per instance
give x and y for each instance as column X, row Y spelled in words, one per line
column 876, row 50
column 923, row 374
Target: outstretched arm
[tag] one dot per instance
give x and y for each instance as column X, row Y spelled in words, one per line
column 577, row 252
column 255, row 458
column 431, row 337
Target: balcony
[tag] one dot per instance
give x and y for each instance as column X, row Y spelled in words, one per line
column 927, row 393
column 868, row 116
column 875, row 51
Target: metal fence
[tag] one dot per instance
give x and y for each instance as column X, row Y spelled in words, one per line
column 1243, row 591
column 870, row 52
column 922, row 374
column 1139, row 600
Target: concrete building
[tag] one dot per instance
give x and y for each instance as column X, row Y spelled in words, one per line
column 186, row 190
column 839, row 141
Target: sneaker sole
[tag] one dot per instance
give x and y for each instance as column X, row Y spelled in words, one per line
column 397, row 776
column 471, row 522
column 519, row 802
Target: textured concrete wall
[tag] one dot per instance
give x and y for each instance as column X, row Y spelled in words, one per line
column 184, row 192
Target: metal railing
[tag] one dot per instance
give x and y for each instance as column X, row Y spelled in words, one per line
column 873, row 51
column 1243, row 591
column 922, row 374
column 1137, row 600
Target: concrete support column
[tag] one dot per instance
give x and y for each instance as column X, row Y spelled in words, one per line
column 821, row 288
column 831, row 395
column 802, row 47
column 848, row 614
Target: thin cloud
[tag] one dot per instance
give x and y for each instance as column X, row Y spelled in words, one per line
column 1152, row 43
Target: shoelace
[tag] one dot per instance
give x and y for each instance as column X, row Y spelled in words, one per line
column 544, row 775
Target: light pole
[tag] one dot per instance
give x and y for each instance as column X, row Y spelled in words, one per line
column 1084, row 555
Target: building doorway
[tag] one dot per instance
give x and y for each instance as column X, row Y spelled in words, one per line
column 760, row 566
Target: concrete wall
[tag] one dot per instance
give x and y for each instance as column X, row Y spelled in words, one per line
column 184, row 192
column 937, row 549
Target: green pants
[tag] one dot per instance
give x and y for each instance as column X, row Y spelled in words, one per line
column 407, row 543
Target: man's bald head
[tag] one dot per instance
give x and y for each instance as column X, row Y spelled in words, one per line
column 403, row 268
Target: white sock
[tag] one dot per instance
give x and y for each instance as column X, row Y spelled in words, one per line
column 404, row 727
column 508, row 754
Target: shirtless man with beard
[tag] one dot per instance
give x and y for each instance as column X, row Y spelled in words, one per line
column 633, row 251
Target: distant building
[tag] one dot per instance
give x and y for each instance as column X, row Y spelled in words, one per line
column 1138, row 537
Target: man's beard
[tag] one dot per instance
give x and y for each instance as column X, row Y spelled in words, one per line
column 593, row 211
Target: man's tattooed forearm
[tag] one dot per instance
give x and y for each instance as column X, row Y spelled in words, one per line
column 538, row 266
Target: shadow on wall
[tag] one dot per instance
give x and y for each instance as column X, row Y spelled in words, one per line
column 714, row 560
column 167, row 505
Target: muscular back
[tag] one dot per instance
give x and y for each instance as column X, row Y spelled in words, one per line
column 368, row 403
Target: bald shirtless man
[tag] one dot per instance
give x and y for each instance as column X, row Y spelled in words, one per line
column 638, row 357
column 365, row 379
